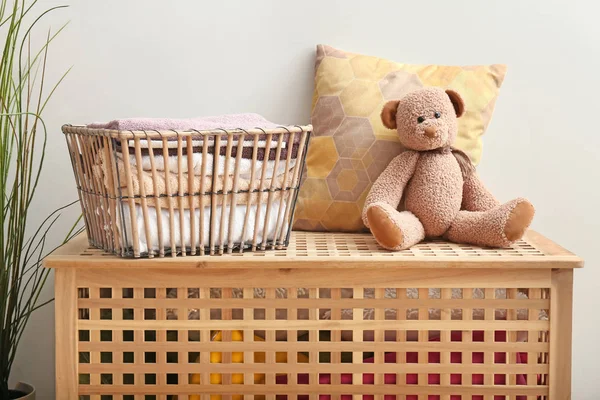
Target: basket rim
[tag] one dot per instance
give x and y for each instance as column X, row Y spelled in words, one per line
column 162, row 134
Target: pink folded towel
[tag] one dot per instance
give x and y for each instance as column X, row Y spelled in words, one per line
column 230, row 121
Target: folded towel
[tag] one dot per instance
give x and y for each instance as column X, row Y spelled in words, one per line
column 247, row 147
column 169, row 182
column 222, row 185
column 229, row 121
column 244, row 166
column 182, row 233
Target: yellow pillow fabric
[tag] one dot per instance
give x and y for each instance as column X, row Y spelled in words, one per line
column 350, row 147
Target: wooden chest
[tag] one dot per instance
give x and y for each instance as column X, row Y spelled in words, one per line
column 333, row 316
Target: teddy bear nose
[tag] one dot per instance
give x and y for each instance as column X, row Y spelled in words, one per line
column 431, row 131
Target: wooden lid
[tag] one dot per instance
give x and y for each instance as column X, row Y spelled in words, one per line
column 338, row 250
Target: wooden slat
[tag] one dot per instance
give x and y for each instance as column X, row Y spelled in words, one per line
column 95, row 336
column 316, row 277
column 291, row 344
column 561, row 335
column 467, row 337
column 138, row 337
column 544, row 336
column 336, row 336
column 313, row 337
column 117, row 339
column 65, row 297
column 511, row 304
column 379, row 338
column 226, row 336
column 272, row 368
column 423, row 336
column 533, row 337
column 341, row 389
column 182, row 336
column 357, row 337
column 161, row 337
column 204, row 293
column 320, row 324
column 401, row 338
column 248, row 315
column 270, row 338
column 511, row 337
column 488, row 337
column 356, row 345
column 445, row 336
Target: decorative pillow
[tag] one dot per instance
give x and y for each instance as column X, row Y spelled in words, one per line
column 350, row 147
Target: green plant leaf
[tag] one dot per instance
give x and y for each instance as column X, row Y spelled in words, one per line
column 23, row 138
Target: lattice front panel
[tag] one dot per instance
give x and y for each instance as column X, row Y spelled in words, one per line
column 198, row 338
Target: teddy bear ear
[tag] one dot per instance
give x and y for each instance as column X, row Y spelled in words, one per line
column 388, row 114
column 457, row 102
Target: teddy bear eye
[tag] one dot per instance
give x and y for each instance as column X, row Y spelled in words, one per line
column 437, row 114
column 420, row 119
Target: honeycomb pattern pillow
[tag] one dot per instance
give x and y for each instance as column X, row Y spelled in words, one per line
column 350, row 147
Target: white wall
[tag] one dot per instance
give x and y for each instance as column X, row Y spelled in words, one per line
column 190, row 58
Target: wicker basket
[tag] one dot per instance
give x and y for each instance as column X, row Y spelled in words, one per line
column 157, row 193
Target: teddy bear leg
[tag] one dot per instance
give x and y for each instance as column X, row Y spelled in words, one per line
column 392, row 229
column 498, row 227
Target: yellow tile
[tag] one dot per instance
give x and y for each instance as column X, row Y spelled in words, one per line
column 360, row 98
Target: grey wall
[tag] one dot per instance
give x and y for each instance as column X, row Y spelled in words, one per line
column 190, row 58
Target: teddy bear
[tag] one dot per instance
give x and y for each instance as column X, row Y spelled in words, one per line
column 441, row 192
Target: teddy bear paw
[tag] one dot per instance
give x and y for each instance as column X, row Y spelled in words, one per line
column 518, row 220
column 384, row 227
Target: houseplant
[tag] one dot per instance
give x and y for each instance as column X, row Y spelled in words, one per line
column 23, row 97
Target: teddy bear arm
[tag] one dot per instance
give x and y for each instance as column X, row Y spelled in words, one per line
column 476, row 197
column 389, row 186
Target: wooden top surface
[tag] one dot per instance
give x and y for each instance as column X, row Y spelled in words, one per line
column 339, row 250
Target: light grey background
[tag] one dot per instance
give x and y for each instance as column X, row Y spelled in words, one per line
column 191, row 58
